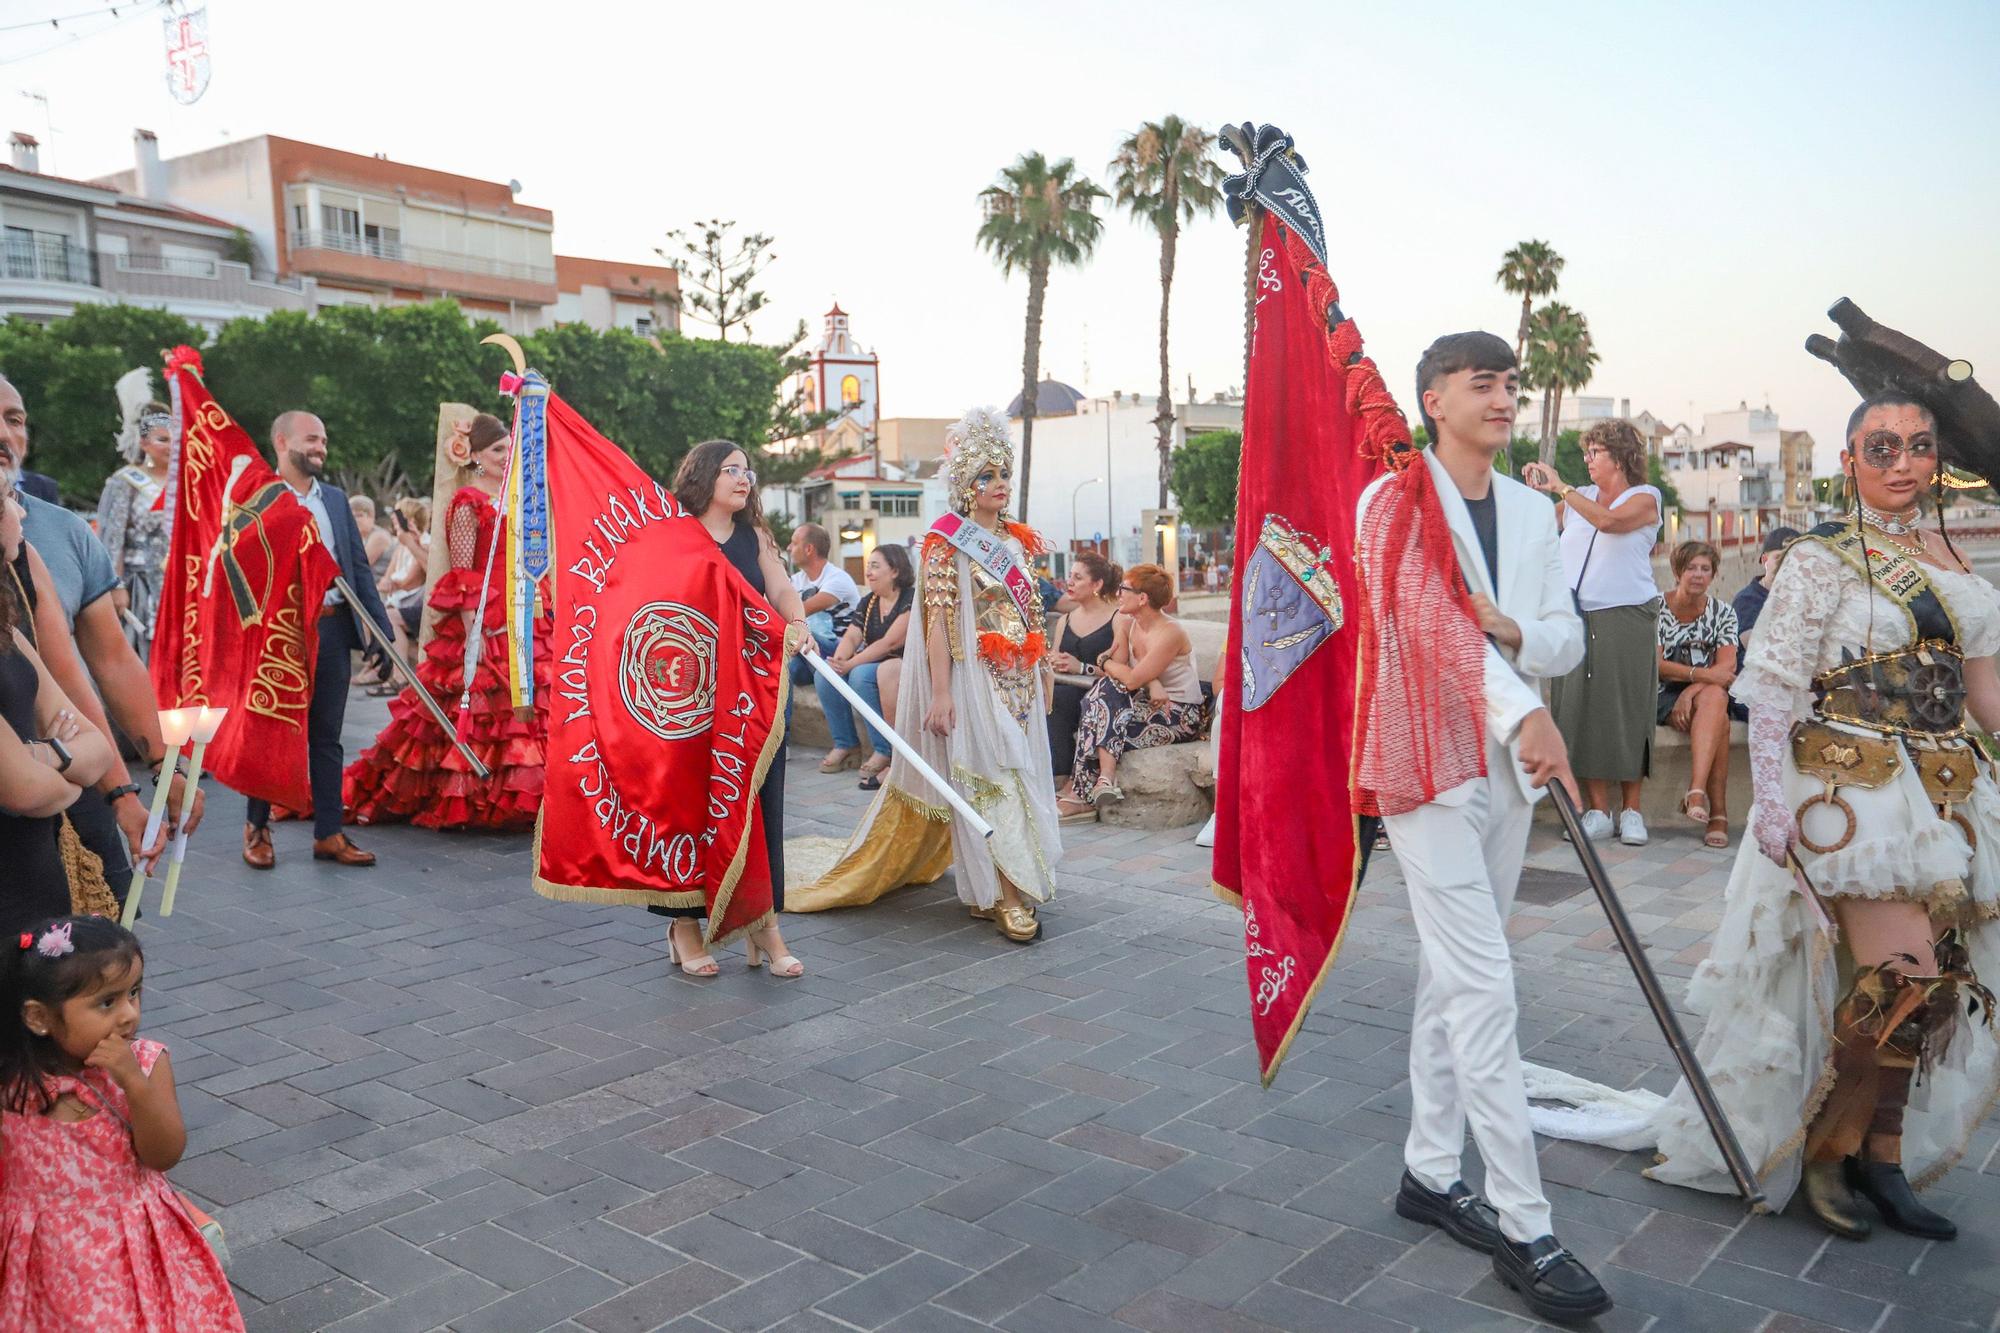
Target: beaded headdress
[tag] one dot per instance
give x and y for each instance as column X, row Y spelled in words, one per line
column 976, row 441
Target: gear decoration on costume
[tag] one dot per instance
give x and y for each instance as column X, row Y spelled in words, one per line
column 1874, row 357
column 975, row 441
column 1291, row 606
column 666, row 670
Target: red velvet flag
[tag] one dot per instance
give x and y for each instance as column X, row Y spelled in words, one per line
column 1317, row 425
column 246, row 575
column 668, row 699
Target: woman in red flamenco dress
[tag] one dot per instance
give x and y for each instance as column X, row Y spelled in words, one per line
column 413, row 773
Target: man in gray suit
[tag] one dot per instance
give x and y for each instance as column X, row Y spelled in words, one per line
column 299, row 440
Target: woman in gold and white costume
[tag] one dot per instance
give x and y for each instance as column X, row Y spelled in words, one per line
column 1854, row 1051
column 973, row 704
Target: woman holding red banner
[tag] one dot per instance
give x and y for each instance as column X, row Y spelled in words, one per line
column 413, row 772
column 717, row 484
column 973, row 704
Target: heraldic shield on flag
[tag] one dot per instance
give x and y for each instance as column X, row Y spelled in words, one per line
column 1318, row 426
column 187, row 55
column 667, row 705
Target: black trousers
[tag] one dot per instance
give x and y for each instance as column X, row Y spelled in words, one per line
column 332, row 673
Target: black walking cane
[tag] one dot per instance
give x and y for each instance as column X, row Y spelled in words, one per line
column 1656, row 1000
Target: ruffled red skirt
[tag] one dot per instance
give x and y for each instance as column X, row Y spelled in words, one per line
column 414, row 774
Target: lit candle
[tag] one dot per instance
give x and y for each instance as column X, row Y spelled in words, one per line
column 176, row 725
column 205, row 728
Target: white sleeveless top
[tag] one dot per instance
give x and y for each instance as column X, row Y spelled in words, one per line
column 1620, row 567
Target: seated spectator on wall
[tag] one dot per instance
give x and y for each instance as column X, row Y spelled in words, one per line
column 875, row 639
column 1697, row 665
column 1749, row 604
column 1082, row 639
column 827, row 590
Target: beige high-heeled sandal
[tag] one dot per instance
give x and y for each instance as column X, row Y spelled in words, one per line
column 699, row 965
column 781, row 965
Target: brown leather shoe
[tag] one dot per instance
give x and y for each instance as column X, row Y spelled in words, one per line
column 341, row 848
column 257, row 851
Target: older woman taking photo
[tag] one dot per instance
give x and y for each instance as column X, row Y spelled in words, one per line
column 1604, row 708
column 1697, row 665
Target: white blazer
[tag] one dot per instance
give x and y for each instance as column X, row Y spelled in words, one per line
column 1532, row 593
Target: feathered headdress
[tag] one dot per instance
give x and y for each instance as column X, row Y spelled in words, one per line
column 135, row 391
column 975, row 441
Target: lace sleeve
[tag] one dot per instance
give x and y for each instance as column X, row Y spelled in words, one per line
column 1772, row 822
column 114, row 515
column 1785, row 651
column 462, row 536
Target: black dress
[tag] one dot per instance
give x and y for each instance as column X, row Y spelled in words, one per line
column 1066, row 714
column 741, row 552
column 34, row 886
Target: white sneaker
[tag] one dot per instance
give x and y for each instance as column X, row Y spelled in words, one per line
column 1596, row 825
column 1206, row 838
column 1631, row 828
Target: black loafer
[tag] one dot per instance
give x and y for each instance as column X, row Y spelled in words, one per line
column 1458, row 1212
column 1550, row 1279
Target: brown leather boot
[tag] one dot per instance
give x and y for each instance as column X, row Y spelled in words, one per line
column 258, row 853
column 341, row 848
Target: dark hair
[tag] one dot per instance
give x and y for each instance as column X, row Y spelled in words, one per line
column 485, row 429
column 1620, row 438
column 27, row 1062
column 1883, row 398
column 1777, row 539
column 898, row 560
column 1150, row 582
column 1106, row 572
column 1688, row 552
column 694, row 481
column 1477, row 350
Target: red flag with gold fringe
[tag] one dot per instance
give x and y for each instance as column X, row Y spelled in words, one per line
column 668, row 700
column 238, row 623
column 1318, row 425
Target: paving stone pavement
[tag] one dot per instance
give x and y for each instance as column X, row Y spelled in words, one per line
column 421, row 1097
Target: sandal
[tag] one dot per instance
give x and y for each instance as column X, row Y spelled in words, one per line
column 1075, row 812
column 836, row 760
column 872, row 771
column 1718, row 832
column 1695, row 806
column 782, row 965
column 1105, row 791
column 695, row 965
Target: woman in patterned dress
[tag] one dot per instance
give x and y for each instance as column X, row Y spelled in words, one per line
column 134, row 525
column 1149, row 695
column 1698, row 639
column 413, row 771
column 972, row 703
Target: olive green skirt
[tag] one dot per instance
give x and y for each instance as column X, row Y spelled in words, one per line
column 1605, row 707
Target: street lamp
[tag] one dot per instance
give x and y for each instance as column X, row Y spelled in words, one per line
column 1088, row 481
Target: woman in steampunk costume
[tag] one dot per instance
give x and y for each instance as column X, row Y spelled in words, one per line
column 1848, row 1033
column 973, row 704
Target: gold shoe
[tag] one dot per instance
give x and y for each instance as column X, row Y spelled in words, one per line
column 983, row 913
column 1017, row 923
column 1832, row 1203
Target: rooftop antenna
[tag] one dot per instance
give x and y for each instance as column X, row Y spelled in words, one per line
column 48, row 123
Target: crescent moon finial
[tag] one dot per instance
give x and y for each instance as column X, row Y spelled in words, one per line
column 506, row 340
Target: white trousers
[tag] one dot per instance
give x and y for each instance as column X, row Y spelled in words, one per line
column 1462, row 863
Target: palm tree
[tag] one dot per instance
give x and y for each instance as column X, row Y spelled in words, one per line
column 1529, row 270
column 1038, row 214
column 1560, row 357
column 1165, row 175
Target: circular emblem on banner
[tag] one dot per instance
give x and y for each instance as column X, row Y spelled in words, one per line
column 666, row 670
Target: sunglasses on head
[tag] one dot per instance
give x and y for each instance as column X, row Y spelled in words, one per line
column 1881, row 448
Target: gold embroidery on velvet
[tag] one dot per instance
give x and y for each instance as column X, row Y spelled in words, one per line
column 280, row 686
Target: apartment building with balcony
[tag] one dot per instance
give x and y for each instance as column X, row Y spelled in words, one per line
column 365, row 230
column 66, row 243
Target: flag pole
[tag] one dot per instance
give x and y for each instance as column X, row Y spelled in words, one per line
column 402, row 668
column 1656, row 1000
column 901, row 746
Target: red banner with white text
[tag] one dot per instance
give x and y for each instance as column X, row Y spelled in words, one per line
column 667, row 702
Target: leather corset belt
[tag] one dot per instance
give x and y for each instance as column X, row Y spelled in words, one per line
column 1915, row 690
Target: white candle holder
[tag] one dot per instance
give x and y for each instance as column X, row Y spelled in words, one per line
column 176, row 726
column 206, row 725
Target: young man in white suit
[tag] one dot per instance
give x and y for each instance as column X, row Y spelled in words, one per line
column 1461, row 853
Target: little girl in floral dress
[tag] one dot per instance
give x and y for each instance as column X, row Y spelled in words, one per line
column 91, row 1234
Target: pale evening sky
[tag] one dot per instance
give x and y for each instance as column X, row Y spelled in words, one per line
column 1716, row 175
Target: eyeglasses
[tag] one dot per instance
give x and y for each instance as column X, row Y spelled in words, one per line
column 1881, row 448
column 1126, row 587
column 748, row 474
column 1595, row 452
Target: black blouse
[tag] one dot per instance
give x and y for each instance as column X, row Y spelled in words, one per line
column 873, row 624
